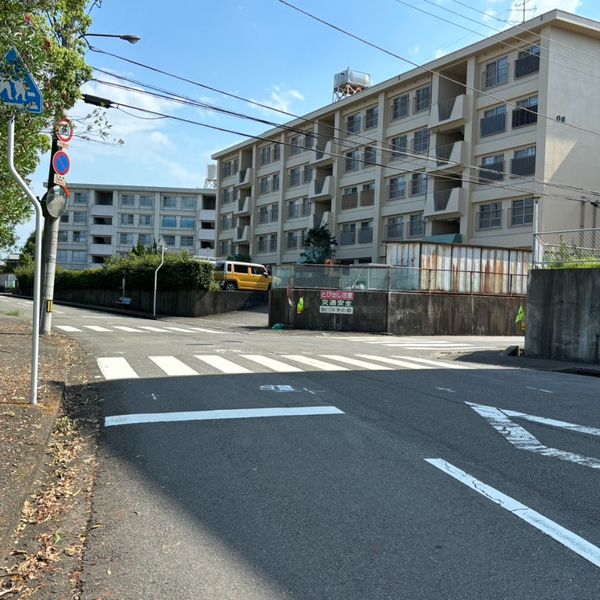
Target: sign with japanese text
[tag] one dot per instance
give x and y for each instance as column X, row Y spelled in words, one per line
column 336, row 302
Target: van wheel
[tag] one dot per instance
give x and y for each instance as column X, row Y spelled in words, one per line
column 230, row 286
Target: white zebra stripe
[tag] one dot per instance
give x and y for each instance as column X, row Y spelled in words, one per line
column 271, row 363
column 116, row 367
column 172, row 366
column 222, row 364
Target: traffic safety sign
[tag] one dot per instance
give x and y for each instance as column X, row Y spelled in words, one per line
column 64, row 130
column 17, row 86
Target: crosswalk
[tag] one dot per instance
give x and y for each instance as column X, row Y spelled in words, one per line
column 119, row 367
column 416, row 343
column 137, row 329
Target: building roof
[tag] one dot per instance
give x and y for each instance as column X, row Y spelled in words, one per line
column 138, row 188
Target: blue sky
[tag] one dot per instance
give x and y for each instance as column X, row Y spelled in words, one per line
column 260, row 50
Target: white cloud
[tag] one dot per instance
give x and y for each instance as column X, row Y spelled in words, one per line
column 279, row 99
column 439, row 53
column 490, row 15
column 540, row 7
column 415, row 50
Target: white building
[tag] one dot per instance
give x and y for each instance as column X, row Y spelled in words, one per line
column 459, row 150
column 108, row 220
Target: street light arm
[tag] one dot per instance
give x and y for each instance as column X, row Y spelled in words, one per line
column 97, row 101
column 128, row 37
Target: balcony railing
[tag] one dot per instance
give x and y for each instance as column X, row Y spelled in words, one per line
column 440, row 199
column 445, row 108
column 394, row 231
column 367, row 197
column 395, row 192
column 522, row 116
column 491, row 172
column 347, row 238
column 522, row 166
column 365, row 235
column 349, row 200
column 493, row 124
column 527, row 64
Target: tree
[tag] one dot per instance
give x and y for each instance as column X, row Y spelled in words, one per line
column 48, row 36
column 319, row 245
column 28, row 251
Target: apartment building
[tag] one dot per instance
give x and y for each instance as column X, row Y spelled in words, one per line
column 471, row 148
column 106, row 220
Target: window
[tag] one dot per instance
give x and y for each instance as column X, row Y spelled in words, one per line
column 352, row 160
column 262, row 243
column 416, row 225
column 126, row 239
column 369, row 156
column 276, row 152
column 307, row 174
column 169, row 240
column 186, row 241
column 371, row 117
column 421, row 141
column 526, row 111
column 273, row 242
column 396, row 188
column 127, row 219
column 62, row 236
column 79, row 257
column 169, row 201
column 399, row 145
column 490, row 215
column 399, row 107
column 418, row 184
column 353, row 123
column 365, row 232
column 146, row 220
column 348, row 234
column 523, row 162
column 521, row 212
column 492, row 168
column 80, row 198
column 493, row 121
column 187, row 223
column 291, row 240
column 168, row 221
column 294, row 177
column 275, row 182
column 127, row 200
column 64, row 218
column 263, row 214
column 230, row 167
column 296, row 145
column 309, row 140
column 62, row 256
column 145, row 239
column 423, row 98
column 227, row 195
column 227, row 221
column 146, row 201
column 306, row 206
column 350, row 197
column 79, row 237
column 263, row 185
column 395, row 228
column 496, row 72
column 293, row 209
column 188, row 203
column 264, row 155
column 79, row 217
column 528, row 61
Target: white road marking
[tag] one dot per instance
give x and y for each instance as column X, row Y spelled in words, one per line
column 178, row 329
column 222, row 364
column 523, row 440
column 539, row 390
column 172, row 366
column 68, row 328
column 116, row 367
column 395, row 362
column 127, row 329
column 356, row 363
column 270, row 363
column 430, row 346
column 211, row 415
column 563, row 536
column 437, row 363
column 445, row 390
column 149, row 328
column 208, row 330
column 96, row 328
column 313, row 362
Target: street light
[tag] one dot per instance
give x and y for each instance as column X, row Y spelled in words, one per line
column 161, row 245
column 132, row 39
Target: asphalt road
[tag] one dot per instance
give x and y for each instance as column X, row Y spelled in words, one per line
column 225, row 475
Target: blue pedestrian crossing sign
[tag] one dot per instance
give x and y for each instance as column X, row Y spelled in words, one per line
column 17, row 86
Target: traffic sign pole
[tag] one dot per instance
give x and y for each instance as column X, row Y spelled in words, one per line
column 37, row 280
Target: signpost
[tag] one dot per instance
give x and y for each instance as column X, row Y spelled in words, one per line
column 18, row 88
column 337, row 302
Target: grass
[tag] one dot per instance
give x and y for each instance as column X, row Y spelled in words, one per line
column 13, row 313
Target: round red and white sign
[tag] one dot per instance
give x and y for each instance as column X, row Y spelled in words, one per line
column 64, row 130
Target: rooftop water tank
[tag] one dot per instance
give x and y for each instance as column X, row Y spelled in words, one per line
column 349, row 82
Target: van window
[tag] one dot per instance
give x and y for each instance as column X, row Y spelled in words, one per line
column 258, row 271
column 219, row 266
column 240, row 268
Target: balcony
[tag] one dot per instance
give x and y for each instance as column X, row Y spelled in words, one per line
column 523, row 166
column 101, row 249
column 244, row 178
column 447, row 114
column 241, row 234
column 102, row 210
column 524, row 116
column 320, row 220
column 350, row 201
column 492, row 124
column 394, row 231
column 444, row 203
column 206, row 234
column 491, row 172
column 207, row 215
column 365, row 235
column 323, row 155
column 243, row 207
column 101, row 229
column 347, row 237
column 530, row 63
column 321, row 187
column 449, row 156
column 367, row 197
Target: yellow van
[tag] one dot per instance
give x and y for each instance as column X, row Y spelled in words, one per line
column 234, row 275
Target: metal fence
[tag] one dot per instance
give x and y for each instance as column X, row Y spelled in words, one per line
column 555, row 249
column 387, row 278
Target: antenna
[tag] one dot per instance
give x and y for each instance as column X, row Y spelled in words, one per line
column 523, row 5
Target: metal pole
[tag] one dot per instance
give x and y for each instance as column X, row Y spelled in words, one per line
column 162, row 260
column 38, row 259
column 535, row 245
